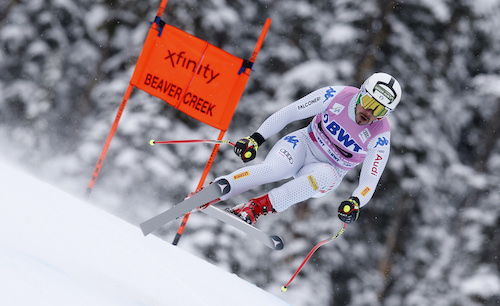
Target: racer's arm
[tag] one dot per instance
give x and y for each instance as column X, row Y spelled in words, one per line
column 373, row 167
column 310, row 105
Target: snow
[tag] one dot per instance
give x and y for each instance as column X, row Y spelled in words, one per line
column 56, row 249
column 340, row 34
column 77, row 57
column 484, row 284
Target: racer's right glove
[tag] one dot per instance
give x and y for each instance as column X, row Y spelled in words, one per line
column 246, row 148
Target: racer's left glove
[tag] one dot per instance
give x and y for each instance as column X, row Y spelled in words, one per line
column 349, row 210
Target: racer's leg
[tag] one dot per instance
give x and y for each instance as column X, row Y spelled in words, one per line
column 283, row 161
column 313, row 180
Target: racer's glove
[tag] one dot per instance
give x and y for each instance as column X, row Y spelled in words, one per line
column 349, row 210
column 246, row 148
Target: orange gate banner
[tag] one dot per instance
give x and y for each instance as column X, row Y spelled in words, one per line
column 188, row 73
column 192, row 75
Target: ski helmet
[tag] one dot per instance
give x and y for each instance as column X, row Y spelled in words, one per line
column 380, row 93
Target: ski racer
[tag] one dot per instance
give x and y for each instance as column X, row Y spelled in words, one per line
column 349, row 127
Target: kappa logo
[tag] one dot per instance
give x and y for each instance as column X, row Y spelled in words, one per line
column 293, row 140
column 330, row 93
column 382, row 141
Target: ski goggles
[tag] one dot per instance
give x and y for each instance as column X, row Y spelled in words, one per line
column 368, row 102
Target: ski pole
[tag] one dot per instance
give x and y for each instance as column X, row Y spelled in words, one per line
column 284, row 288
column 153, row 142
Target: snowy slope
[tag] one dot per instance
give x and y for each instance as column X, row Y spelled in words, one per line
column 58, row 250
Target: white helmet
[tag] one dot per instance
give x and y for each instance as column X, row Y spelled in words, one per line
column 382, row 88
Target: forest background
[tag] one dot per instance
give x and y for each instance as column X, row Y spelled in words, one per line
column 428, row 237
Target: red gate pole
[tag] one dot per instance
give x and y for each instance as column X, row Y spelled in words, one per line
column 104, row 151
column 112, row 132
column 200, row 184
column 256, row 50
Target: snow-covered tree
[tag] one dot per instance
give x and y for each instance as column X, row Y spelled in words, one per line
column 428, row 237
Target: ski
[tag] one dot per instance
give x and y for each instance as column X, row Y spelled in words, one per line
column 272, row 241
column 207, row 194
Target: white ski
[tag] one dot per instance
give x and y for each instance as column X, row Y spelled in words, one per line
column 272, row 241
column 207, row 194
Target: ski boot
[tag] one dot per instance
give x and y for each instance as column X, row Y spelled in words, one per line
column 249, row 212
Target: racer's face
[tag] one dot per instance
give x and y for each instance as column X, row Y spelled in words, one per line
column 364, row 116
